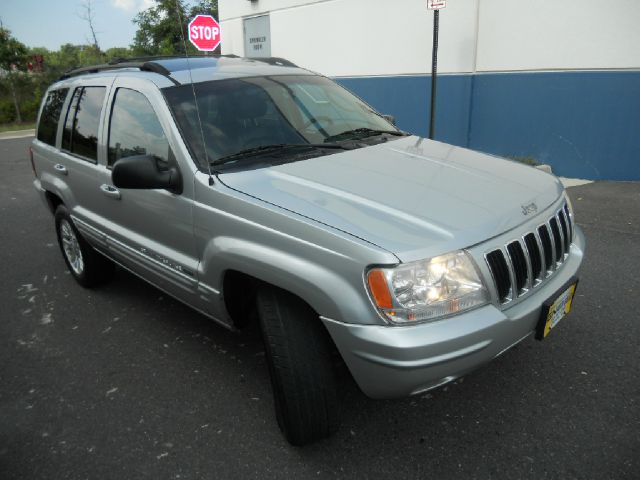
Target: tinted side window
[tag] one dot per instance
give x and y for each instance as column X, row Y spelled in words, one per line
column 135, row 129
column 68, row 123
column 81, row 127
column 48, row 126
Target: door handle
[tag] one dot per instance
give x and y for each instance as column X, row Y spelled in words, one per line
column 61, row 169
column 110, row 191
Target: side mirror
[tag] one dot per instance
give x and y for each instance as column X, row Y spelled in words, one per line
column 142, row 172
column 390, row 118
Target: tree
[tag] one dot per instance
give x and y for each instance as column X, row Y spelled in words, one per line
column 87, row 15
column 21, row 88
column 13, row 54
column 206, row 7
column 162, row 28
column 13, row 63
column 117, row 52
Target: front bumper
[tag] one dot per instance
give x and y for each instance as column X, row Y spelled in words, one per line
column 397, row 361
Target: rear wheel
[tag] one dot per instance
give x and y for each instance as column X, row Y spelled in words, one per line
column 298, row 352
column 87, row 266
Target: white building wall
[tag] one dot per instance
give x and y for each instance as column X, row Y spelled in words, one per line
column 382, row 37
column 359, row 37
column 232, row 36
column 558, row 34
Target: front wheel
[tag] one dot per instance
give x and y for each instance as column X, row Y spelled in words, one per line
column 87, row 266
column 298, row 353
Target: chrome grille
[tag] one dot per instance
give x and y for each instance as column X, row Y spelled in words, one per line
column 524, row 263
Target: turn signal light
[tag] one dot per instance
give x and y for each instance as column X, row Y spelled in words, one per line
column 379, row 289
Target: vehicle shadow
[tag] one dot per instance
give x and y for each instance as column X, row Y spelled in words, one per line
column 436, row 432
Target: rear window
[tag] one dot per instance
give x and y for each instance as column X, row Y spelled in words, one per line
column 48, row 126
column 81, row 126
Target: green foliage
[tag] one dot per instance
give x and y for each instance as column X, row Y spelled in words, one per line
column 117, row 52
column 13, row 63
column 9, row 127
column 160, row 32
column 7, row 111
column 13, row 53
column 159, row 28
column 206, row 7
column 526, row 160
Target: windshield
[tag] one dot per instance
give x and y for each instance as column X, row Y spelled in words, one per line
column 244, row 113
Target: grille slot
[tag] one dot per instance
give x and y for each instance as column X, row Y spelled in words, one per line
column 557, row 239
column 565, row 231
column 545, row 239
column 534, row 255
column 519, row 263
column 525, row 263
column 500, row 271
column 568, row 215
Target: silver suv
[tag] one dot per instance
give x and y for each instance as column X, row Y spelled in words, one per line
column 256, row 189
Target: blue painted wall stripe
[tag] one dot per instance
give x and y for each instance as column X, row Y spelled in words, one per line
column 584, row 124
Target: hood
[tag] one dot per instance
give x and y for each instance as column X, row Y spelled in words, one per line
column 413, row 197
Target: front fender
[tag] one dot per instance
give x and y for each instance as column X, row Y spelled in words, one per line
column 323, row 288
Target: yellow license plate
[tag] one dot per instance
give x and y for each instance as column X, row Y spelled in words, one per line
column 556, row 311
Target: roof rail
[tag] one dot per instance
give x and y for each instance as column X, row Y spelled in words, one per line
column 281, row 62
column 120, row 63
column 151, row 58
column 153, row 64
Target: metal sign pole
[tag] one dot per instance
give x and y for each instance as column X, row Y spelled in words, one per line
column 434, row 73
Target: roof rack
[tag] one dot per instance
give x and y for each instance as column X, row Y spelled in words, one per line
column 116, row 64
column 154, row 64
column 281, row 62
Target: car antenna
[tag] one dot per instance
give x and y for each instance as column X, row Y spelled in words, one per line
column 195, row 98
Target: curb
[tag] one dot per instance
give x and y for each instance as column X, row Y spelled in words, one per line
column 17, row 134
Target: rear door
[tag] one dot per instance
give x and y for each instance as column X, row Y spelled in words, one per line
column 46, row 156
column 76, row 169
column 149, row 231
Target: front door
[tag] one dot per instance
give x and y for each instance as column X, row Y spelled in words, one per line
column 149, row 231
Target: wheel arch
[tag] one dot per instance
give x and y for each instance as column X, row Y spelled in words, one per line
column 53, row 200
column 233, row 265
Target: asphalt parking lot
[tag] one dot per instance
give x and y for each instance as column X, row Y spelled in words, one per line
column 123, row 382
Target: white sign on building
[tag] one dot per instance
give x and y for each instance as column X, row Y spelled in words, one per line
column 436, row 4
column 257, row 36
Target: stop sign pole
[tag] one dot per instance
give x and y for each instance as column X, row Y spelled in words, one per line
column 434, row 5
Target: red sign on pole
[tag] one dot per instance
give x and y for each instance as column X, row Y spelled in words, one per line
column 204, row 33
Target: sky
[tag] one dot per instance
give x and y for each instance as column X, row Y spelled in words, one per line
column 51, row 23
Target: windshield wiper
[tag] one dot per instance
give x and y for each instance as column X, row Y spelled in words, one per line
column 362, row 133
column 277, row 148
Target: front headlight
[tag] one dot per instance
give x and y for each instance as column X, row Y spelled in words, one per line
column 427, row 289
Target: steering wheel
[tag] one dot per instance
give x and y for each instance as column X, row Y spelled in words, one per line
column 316, row 120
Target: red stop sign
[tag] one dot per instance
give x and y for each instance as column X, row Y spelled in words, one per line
column 204, row 32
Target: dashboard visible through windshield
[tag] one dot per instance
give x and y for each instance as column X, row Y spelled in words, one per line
column 245, row 114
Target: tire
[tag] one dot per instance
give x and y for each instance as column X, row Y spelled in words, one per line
column 298, row 353
column 85, row 264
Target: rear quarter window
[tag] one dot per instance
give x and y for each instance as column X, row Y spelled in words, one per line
column 50, row 116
